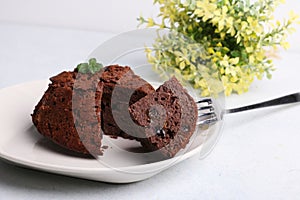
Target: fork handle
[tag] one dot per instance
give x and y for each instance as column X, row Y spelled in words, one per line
column 292, row 98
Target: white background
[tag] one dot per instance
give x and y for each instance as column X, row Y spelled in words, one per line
column 258, row 156
column 101, row 15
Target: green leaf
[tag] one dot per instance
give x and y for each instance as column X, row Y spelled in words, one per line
column 92, row 61
column 269, row 75
column 91, row 67
column 235, row 53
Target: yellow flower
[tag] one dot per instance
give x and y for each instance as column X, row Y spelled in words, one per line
column 225, row 61
column 182, row 65
column 199, row 12
column 249, row 20
column 249, row 49
column 205, row 9
column 234, row 79
column 251, row 60
column 260, row 55
column 210, row 50
column 293, row 16
column 219, row 44
column 244, row 25
column 205, row 93
column 218, row 54
column 150, row 22
column 222, row 35
column 230, row 71
column 285, row 44
column 234, row 61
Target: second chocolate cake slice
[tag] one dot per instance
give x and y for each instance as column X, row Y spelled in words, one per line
column 168, row 116
column 121, row 88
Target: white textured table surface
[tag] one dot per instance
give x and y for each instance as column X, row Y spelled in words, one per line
column 256, row 158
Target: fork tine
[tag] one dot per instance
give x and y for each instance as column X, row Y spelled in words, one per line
column 205, row 100
column 208, row 120
column 209, row 108
column 206, row 115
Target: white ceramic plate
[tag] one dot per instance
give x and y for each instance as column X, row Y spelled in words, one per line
column 21, row 144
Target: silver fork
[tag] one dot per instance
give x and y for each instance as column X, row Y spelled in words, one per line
column 207, row 114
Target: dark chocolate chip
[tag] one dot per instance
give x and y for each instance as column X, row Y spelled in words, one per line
column 160, row 133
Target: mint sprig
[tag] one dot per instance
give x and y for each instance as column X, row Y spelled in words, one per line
column 91, row 67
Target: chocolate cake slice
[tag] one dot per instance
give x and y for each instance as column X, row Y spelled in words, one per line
column 121, row 88
column 168, row 118
column 69, row 112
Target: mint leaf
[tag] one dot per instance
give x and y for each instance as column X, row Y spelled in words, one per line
column 91, row 67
